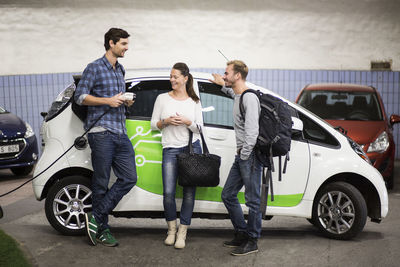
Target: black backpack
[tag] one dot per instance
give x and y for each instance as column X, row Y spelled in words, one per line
column 274, row 137
column 275, row 127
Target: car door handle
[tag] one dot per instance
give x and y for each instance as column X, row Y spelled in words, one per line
column 217, row 136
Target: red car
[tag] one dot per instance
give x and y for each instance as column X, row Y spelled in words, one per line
column 359, row 111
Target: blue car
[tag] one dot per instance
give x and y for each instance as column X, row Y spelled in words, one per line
column 18, row 144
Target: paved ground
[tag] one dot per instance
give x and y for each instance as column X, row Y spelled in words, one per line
column 285, row 241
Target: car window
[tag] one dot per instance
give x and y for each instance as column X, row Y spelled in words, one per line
column 335, row 105
column 146, row 94
column 315, row 133
column 217, row 106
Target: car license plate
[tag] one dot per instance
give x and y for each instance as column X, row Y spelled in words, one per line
column 9, row 149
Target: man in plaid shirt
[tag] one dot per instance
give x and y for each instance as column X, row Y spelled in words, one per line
column 101, row 88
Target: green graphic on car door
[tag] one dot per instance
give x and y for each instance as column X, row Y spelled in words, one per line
column 148, row 156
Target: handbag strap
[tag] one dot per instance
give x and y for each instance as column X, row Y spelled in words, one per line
column 203, row 141
column 190, row 145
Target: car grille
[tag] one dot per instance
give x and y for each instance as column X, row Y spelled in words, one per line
column 20, row 142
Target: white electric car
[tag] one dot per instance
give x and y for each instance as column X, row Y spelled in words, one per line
column 329, row 180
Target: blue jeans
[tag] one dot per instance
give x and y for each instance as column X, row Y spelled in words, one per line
column 114, row 151
column 245, row 173
column 169, row 175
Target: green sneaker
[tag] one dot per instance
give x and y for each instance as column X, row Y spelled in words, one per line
column 107, row 239
column 91, row 227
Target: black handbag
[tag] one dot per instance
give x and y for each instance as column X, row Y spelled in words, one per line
column 198, row 169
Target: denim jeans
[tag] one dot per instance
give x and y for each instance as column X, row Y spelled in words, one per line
column 245, row 173
column 110, row 150
column 169, row 175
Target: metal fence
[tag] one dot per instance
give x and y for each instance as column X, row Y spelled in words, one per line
column 28, row 95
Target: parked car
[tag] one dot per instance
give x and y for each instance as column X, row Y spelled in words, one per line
column 360, row 112
column 18, row 144
column 329, row 179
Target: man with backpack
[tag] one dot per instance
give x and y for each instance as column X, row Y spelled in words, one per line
column 247, row 169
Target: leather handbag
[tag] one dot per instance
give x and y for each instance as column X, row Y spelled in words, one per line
column 198, row 169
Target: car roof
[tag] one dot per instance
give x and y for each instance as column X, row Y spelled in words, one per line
column 345, row 87
column 142, row 74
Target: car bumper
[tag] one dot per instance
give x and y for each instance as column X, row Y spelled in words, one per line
column 27, row 157
column 383, row 162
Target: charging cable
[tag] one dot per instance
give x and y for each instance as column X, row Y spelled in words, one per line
column 79, row 142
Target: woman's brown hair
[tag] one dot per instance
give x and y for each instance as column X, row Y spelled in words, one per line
column 184, row 69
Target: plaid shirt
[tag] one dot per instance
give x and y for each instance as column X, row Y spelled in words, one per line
column 101, row 80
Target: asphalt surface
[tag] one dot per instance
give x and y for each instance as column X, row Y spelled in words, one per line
column 285, row 241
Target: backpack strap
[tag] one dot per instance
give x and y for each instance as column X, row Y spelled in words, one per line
column 241, row 107
column 271, row 160
column 264, row 194
column 280, row 169
column 269, row 177
column 285, row 164
column 265, row 185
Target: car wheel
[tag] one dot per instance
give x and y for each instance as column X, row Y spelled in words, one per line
column 20, row 171
column 66, row 204
column 339, row 211
column 311, row 221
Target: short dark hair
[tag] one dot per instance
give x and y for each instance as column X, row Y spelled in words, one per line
column 114, row 34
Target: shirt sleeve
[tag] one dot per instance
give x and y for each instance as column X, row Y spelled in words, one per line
column 85, row 84
column 252, row 110
column 156, row 116
column 228, row 91
column 198, row 118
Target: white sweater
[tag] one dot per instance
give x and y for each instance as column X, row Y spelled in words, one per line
column 176, row 136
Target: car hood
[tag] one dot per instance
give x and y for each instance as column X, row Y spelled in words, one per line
column 11, row 126
column 363, row 132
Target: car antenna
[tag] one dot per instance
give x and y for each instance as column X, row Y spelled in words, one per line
column 223, row 55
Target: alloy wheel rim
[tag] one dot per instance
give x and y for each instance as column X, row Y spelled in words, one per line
column 70, row 205
column 336, row 212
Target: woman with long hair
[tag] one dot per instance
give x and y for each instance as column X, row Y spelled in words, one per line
column 174, row 114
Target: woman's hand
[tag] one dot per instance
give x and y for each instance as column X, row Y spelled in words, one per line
column 178, row 120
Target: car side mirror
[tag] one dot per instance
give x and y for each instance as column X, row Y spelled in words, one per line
column 43, row 114
column 394, row 119
column 297, row 124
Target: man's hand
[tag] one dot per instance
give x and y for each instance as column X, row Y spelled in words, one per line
column 129, row 103
column 217, row 79
column 116, row 101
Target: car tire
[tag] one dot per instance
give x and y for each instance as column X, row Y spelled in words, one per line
column 339, row 211
column 22, row 171
column 66, row 204
column 311, row 221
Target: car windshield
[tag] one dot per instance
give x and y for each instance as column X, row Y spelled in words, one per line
column 341, row 105
column 2, row 110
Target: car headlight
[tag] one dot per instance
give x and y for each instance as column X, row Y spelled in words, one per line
column 61, row 102
column 29, row 131
column 380, row 144
column 359, row 151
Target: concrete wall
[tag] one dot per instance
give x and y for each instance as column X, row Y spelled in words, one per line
column 44, row 36
column 43, row 41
